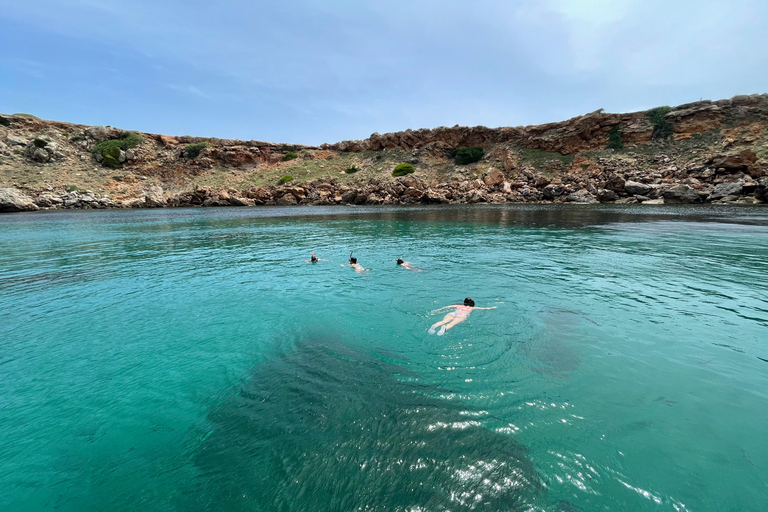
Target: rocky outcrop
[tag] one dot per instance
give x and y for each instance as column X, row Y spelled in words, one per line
column 11, row 200
column 717, row 152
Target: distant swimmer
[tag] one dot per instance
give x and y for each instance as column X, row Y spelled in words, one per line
column 355, row 265
column 457, row 316
column 314, row 259
column 407, row 265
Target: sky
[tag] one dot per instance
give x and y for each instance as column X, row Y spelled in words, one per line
column 309, row 72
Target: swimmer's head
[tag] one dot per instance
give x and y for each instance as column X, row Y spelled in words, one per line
column 314, row 258
column 469, row 302
column 352, row 261
column 400, row 261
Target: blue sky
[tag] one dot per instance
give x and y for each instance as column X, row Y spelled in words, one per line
column 305, row 71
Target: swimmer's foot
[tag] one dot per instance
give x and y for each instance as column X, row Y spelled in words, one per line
column 432, row 329
column 441, row 331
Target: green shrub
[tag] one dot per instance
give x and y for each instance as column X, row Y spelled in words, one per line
column 288, row 147
column 352, row 169
column 403, row 169
column 468, row 155
column 285, row 179
column 289, row 156
column 193, row 150
column 40, row 143
column 111, row 162
column 615, row 138
column 662, row 127
column 5, row 121
column 112, row 151
column 108, row 147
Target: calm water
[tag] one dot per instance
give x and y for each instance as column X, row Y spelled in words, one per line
column 191, row 360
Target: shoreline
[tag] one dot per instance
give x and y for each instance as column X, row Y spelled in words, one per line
column 698, row 153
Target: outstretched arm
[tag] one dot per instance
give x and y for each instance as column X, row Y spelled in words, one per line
column 445, row 307
column 493, row 307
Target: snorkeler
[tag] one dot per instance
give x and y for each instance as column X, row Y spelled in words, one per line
column 406, row 265
column 355, row 265
column 457, row 316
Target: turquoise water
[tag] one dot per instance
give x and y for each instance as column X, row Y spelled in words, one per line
column 192, row 360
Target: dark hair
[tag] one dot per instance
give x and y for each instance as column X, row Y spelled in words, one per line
column 314, row 258
column 469, row 302
column 400, row 261
column 352, row 260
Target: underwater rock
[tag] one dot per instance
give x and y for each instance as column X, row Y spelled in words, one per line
column 325, row 427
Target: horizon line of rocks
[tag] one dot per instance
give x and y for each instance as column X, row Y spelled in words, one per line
column 494, row 188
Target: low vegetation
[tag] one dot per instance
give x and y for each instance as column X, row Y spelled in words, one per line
column 352, row 169
column 192, row 151
column 662, row 127
column 545, row 160
column 285, row 179
column 403, row 169
column 615, row 138
column 289, row 156
column 129, row 141
column 468, row 155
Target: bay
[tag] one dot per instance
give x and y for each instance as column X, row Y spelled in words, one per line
column 192, row 359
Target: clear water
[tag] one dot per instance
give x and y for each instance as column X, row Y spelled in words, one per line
column 192, row 360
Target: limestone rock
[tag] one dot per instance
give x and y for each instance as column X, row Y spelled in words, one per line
column 635, row 188
column 725, row 189
column 14, row 140
column 681, row 194
column 606, row 196
column 11, row 200
column 581, row 196
column 154, row 197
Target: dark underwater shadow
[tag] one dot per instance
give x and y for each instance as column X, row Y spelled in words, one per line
column 327, row 428
column 552, row 351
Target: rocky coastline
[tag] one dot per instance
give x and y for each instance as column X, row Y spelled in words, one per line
column 712, row 152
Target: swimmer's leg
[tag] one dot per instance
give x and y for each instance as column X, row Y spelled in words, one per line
column 441, row 331
column 448, row 318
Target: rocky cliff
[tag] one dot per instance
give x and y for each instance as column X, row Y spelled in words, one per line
column 707, row 151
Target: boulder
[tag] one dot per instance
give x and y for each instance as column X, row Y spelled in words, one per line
column 635, row 188
column 494, row 178
column 681, row 194
column 39, row 155
column 581, row 196
column 725, row 189
column 287, row 200
column 11, row 200
column 614, row 182
column 434, row 196
column 761, row 189
column 606, row 196
column 13, row 140
column 735, row 161
column 154, row 197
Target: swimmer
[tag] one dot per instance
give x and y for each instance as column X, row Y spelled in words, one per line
column 457, row 316
column 313, row 259
column 406, row 265
column 355, row 265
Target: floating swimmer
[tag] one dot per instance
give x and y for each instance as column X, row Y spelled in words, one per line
column 407, row 265
column 314, row 259
column 355, row 265
column 460, row 314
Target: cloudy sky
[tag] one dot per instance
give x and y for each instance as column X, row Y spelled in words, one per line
column 311, row 71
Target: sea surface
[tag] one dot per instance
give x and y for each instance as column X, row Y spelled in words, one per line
column 192, row 359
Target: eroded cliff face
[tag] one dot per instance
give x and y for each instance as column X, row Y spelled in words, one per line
column 713, row 151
